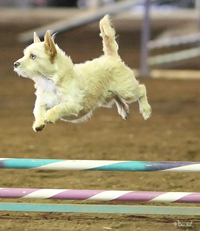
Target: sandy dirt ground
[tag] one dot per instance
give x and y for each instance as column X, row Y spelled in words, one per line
column 171, row 134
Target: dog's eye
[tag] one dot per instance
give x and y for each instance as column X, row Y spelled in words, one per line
column 32, row 56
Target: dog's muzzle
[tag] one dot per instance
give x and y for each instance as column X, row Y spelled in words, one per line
column 16, row 64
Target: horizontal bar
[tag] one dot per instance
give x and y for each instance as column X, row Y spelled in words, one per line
column 100, row 195
column 81, row 19
column 100, row 165
column 115, row 209
column 174, row 56
column 174, row 41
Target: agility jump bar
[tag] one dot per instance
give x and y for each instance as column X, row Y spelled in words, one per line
column 100, row 195
column 100, row 165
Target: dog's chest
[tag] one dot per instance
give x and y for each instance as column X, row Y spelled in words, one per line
column 48, row 93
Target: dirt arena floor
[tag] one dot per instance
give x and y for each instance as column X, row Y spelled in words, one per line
column 171, row 134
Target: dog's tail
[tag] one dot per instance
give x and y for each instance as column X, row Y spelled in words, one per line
column 110, row 46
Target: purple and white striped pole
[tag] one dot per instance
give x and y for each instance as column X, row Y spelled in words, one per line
column 102, row 195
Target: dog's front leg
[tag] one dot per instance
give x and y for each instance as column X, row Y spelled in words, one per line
column 67, row 109
column 39, row 113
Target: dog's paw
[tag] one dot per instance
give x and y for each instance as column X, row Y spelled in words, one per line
column 125, row 112
column 50, row 117
column 146, row 112
column 38, row 126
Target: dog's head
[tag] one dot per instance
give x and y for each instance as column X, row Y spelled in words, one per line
column 38, row 58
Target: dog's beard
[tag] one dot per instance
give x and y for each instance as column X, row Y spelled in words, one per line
column 21, row 73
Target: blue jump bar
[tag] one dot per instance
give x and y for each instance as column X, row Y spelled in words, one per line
column 114, row 209
column 101, row 165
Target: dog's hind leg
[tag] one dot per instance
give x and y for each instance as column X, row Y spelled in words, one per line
column 122, row 107
column 129, row 95
column 145, row 108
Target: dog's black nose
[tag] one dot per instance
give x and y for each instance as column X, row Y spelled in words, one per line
column 16, row 64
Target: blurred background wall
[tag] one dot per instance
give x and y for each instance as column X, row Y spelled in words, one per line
column 88, row 3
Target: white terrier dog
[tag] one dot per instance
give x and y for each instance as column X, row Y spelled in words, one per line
column 71, row 92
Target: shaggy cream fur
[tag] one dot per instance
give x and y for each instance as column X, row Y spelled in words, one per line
column 71, row 92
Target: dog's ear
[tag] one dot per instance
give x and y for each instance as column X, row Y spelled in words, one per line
column 49, row 44
column 36, row 39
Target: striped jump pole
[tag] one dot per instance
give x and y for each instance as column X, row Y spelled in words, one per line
column 100, row 195
column 101, row 165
